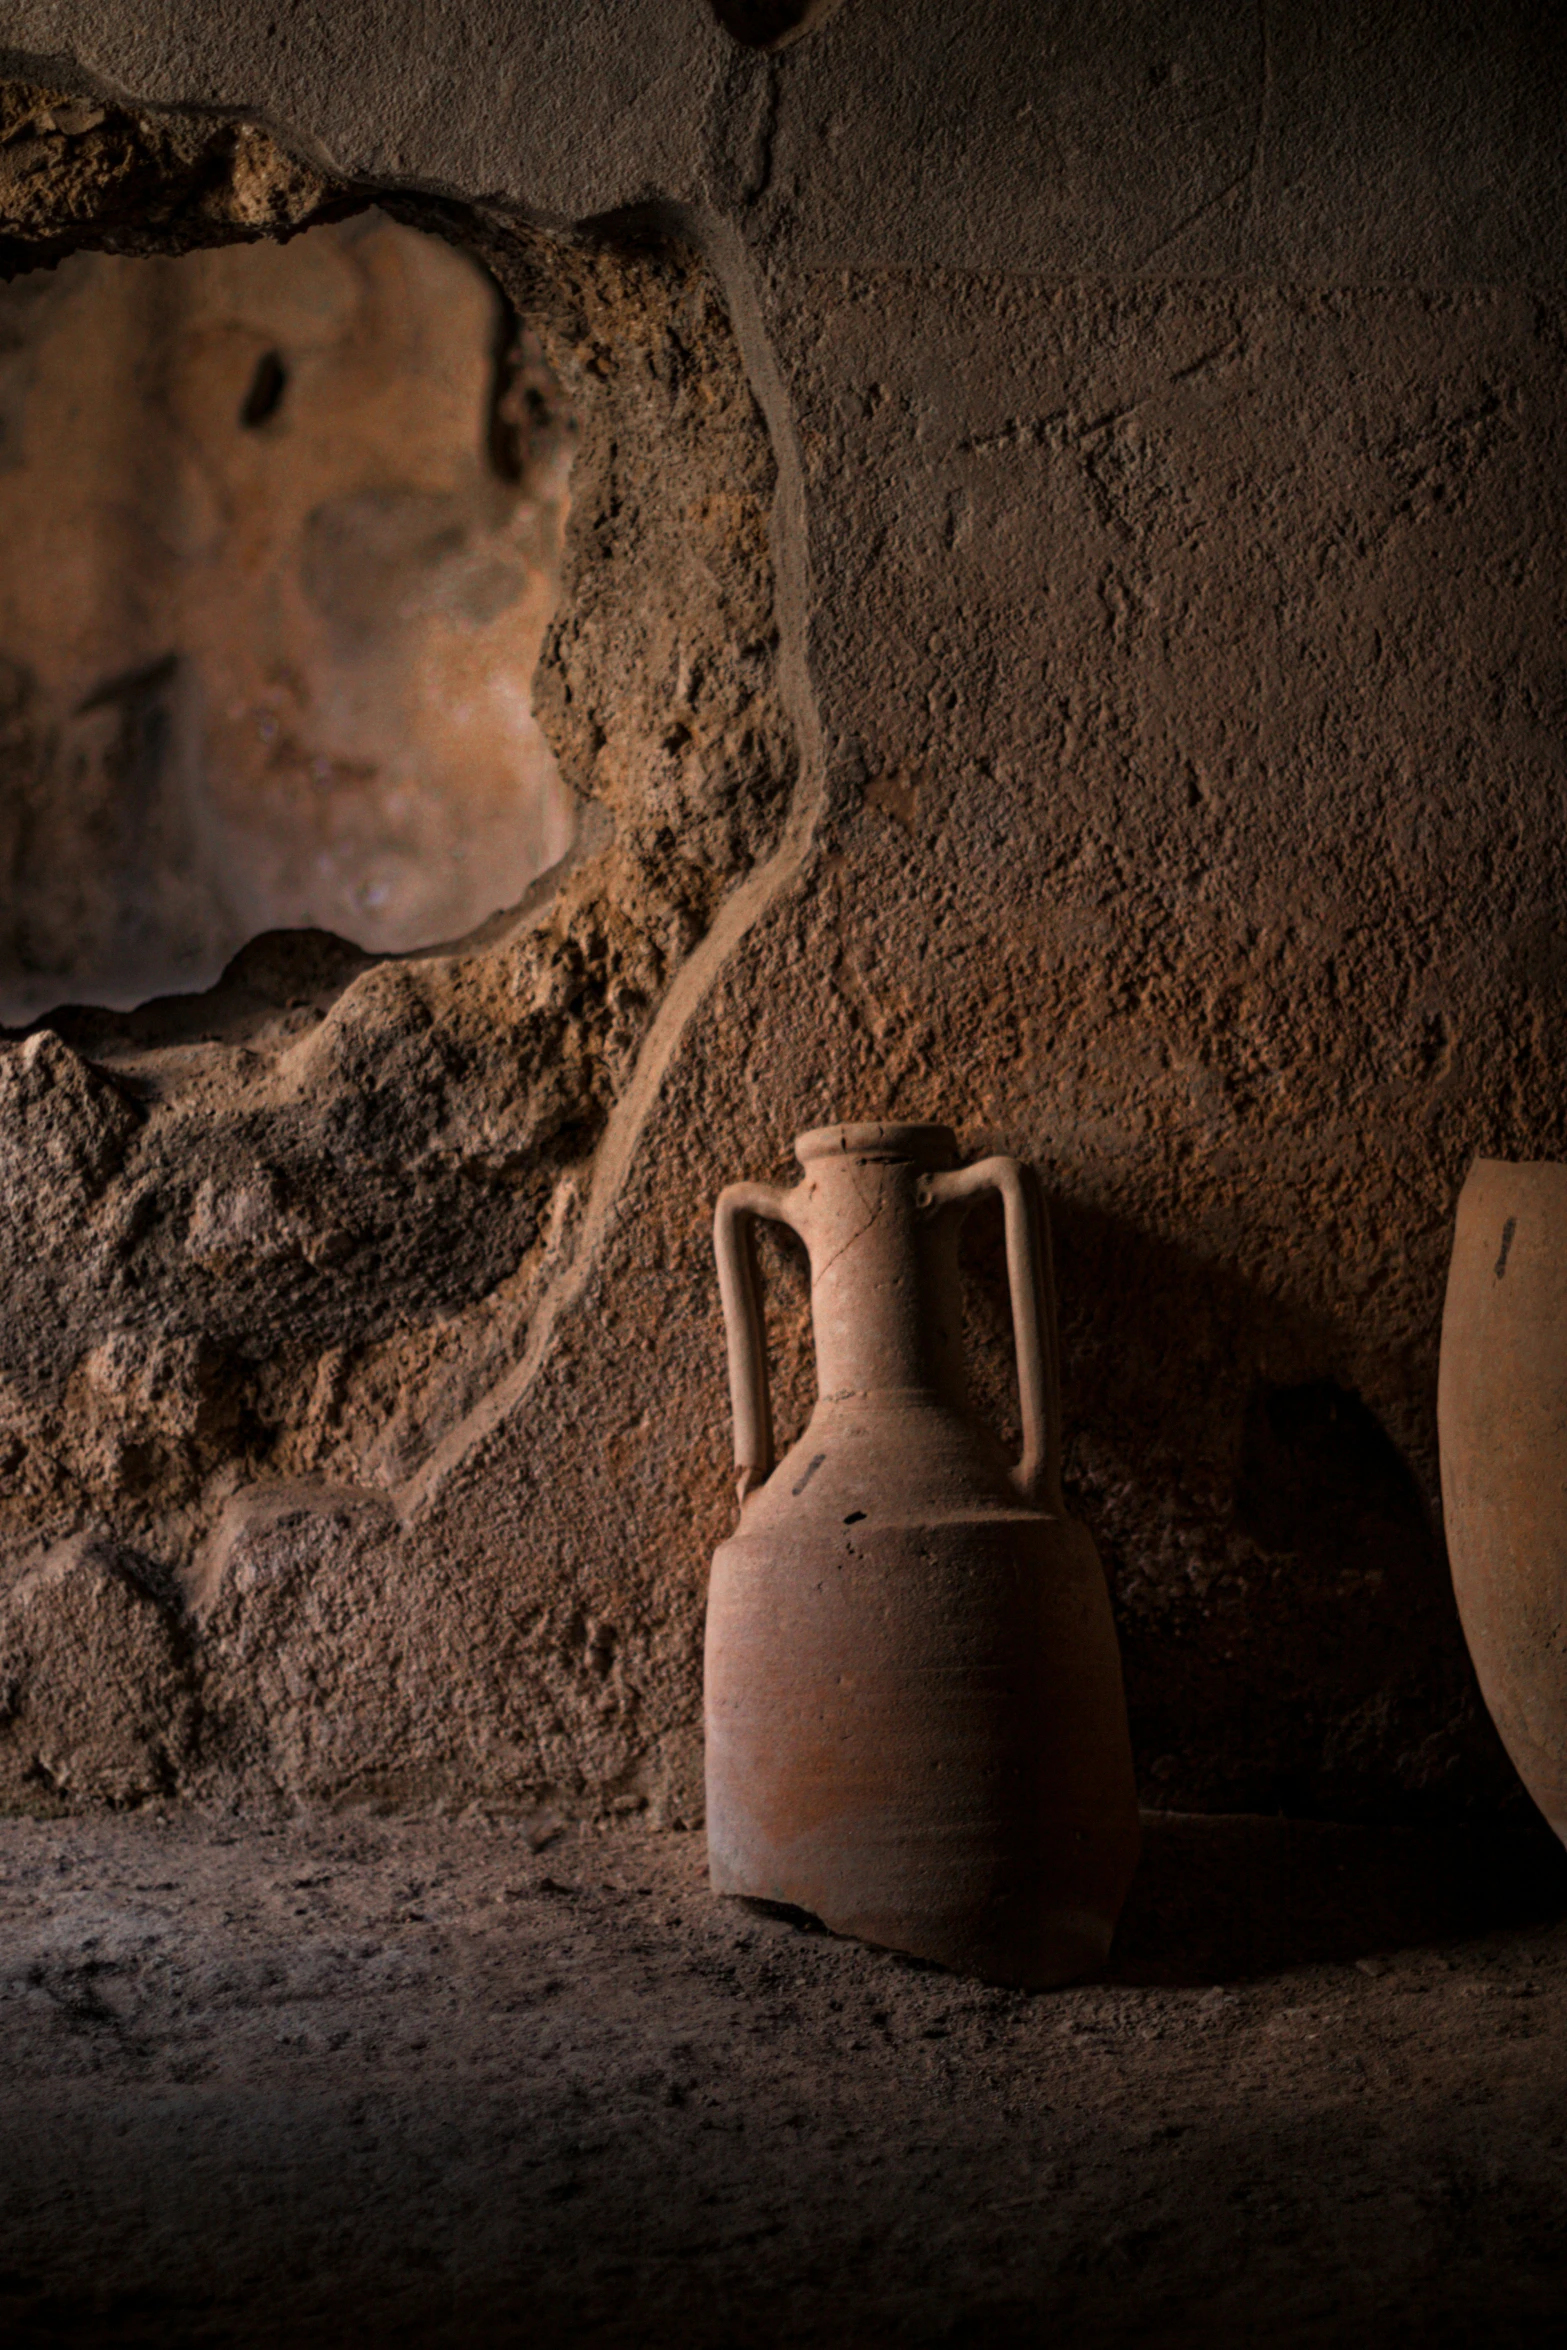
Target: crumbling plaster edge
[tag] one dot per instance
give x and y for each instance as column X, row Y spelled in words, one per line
column 721, row 244
column 723, row 247
column 62, row 71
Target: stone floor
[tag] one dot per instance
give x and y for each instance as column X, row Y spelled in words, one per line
column 351, row 2080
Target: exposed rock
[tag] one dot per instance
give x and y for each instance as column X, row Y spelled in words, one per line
column 64, row 1131
column 96, row 1700
column 334, row 1668
column 349, row 1178
column 73, row 171
column 296, row 1695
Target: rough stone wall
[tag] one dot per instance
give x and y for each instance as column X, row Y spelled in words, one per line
column 75, row 171
column 295, row 1228
column 1112, row 703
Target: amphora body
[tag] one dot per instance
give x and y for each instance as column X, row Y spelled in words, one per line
column 915, row 1722
column 1502, row 1416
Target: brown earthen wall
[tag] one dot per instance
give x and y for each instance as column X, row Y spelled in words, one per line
column 1060, row 631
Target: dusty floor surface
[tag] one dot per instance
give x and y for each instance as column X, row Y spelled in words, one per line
column 355, row 2080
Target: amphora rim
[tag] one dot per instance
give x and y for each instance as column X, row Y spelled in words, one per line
column 927, row 1146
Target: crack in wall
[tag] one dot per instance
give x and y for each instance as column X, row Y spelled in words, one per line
column 737, row 917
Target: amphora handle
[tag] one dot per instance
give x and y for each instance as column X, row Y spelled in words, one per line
column 734, row 1244
column 1031, row 1280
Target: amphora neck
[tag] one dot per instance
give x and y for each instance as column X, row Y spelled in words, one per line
column 885, row 1303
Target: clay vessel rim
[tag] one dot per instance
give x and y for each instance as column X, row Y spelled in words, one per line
column 931, row 1145
column 899, row 1524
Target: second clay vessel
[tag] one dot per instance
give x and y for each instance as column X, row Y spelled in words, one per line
column 914, row 1713
column 1502, row 1416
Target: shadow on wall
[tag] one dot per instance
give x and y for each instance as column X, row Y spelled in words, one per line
column 1290, row 1640
column 772, row 24
column 1228, row 1899
column 1289, row 1636
column 283, row 526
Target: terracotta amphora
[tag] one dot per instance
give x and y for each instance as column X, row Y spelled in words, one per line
column 1502, row 1419
column 915, row 1723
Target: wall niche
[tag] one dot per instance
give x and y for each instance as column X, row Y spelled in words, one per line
column 283, row 526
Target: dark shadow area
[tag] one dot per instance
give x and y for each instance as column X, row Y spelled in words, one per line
column 1220, row 1899
column 1288, row 1632
column 278, row 972
column 265, row 395
column 805, row 1921
column 359, row 2079
column 1229, row 1898
column 771, row 24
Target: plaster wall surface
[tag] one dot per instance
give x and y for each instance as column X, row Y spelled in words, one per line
column 1061, row 633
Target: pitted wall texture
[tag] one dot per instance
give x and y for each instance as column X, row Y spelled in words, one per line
column 1062, row 633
